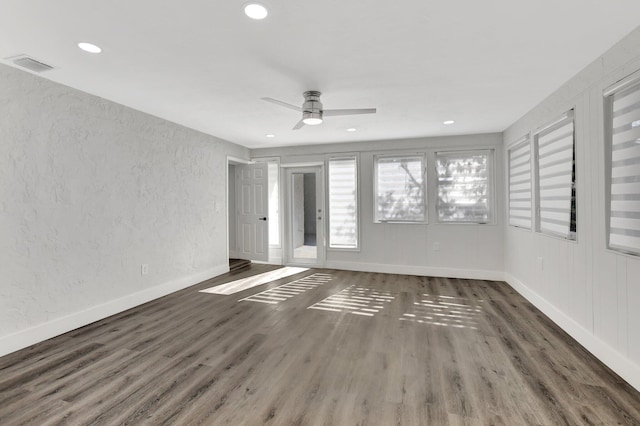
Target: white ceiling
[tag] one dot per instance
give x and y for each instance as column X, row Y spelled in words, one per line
column 205, row 65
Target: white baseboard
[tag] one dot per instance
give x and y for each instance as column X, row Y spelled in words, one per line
column 57, row 326
column 430, row 271
column 624, row 367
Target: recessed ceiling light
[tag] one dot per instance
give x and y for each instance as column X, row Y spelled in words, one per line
column 88, row 47
column 351, row 129
column 448, row 122
column 255, row 11
column 270, row 135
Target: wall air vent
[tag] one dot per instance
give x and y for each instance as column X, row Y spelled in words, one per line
column 31, row 64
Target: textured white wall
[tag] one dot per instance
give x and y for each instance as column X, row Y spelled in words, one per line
column 89, row 191
column 466, row 250
column 594, row 293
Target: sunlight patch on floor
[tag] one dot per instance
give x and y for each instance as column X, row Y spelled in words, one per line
column 355, row 300
column 253, row 281
column 283, row 292
column 445, row 311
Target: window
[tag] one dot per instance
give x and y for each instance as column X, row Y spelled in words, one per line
column 343, row 203
column 623, row 137
column 555, row 172
column 520, row 184
column 464, row 186
column 399, row 186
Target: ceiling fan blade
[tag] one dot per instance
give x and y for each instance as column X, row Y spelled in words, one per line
column 334, row 112
column 298, row 125
column 284, row 104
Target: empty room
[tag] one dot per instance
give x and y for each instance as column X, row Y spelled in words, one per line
column 319, row 213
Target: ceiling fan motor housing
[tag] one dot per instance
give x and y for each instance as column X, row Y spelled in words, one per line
column 312, row 107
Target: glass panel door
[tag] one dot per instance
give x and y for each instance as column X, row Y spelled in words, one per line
column 306, row 216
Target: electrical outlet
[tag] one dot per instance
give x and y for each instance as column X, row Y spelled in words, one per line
column 436, row 246
column 541, row 263
column 144, row 269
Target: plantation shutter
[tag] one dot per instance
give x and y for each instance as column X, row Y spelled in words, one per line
column 343, row 203
column 555, row 146
column 624, row 222
column 520, row 184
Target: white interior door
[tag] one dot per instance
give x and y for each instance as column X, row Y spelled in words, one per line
column 305, row 216
column 252, row 211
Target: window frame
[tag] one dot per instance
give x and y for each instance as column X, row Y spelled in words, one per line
column 569, row 114
column 525, row 140
column 623, row 84
column 425, row 195
column 491, row 186
column 343, row 156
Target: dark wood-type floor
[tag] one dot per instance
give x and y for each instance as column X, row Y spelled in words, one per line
column 438, row 351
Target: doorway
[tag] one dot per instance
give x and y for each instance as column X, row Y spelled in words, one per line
column 248, row 237
column 305, row 230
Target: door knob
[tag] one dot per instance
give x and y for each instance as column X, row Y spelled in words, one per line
column 262, row 218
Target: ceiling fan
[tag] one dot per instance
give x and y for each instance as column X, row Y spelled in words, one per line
column 312, row 112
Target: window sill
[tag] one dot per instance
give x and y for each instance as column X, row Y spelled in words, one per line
column 399, row 222
column 467, row 223
column 557, row 237
column 348, row 250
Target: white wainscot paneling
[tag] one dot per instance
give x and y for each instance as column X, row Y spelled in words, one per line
column 605, row 319
column 579, row 291
column 521, row 261
column 633, row 309
column 621, row 305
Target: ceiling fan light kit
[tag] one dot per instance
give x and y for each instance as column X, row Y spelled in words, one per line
column 313, row 112
column 255, row 11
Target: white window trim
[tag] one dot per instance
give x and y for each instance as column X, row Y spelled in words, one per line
column 343, row 156
column 571, row 112
column 526, row 139
column 425, row 198
column 608, row 94
column 491, row 202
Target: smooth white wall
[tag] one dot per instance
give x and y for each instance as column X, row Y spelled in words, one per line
column 466, row 250
column 89, row 191
column 592, row 292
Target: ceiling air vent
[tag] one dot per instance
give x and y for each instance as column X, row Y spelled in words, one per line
column 31, row 64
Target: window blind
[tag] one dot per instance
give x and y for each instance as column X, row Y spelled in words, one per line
column 399, row 186
column 554, row 148
column 343, row 203
column 624, row 131
column 463, row 186
column 520, row 184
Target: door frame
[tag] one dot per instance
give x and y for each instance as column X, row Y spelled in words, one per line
column 276, row 256
column 231, row 161
column 287, row 170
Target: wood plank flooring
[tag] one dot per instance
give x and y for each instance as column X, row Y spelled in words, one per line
column 376, row 349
